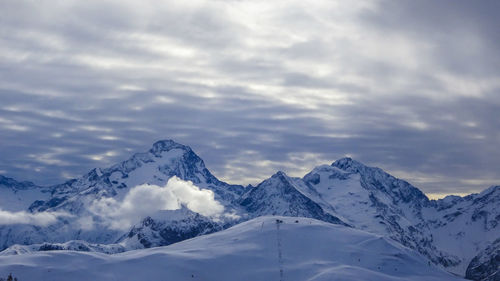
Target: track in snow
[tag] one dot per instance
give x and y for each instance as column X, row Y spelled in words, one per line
column 280, row 254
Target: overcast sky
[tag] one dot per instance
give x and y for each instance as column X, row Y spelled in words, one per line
column 254, row 87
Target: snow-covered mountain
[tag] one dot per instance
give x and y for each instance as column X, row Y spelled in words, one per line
column 167, row 227
column 265, row 248
column 449, row 232
column 163, row 161
column 75, row 197
column 463, row 226
column 279, row 195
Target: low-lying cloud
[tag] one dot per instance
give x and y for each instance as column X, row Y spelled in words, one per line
column 22, row 217
column 144, row 200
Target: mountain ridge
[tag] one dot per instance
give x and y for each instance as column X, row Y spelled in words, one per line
column 347, row 193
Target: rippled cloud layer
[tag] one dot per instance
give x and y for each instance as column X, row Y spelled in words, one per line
column 253, row 87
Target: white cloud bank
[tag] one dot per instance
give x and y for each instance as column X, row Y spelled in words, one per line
column 144, row 200
column 22, row 217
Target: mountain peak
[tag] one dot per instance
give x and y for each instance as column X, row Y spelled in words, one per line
column 280, row 174
column 348, row 164
column 377, row 179
column 282, row 177
column 166, row 145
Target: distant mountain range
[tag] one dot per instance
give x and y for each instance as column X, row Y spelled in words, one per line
column 459, row 234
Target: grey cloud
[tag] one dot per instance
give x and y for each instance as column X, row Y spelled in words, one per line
column 253, row 88
column 463, row 35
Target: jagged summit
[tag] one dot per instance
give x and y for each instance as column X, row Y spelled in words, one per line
column 376, row 178
column 281, row 195
column 168, row 157
column 350, row 165
column 167, row 145
column 281, row 175
column 345, row 162
column 165, row 159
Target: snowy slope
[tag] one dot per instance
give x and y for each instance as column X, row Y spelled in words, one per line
column 260, row 249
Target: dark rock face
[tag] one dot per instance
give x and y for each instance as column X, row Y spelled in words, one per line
column 161, row 232
column 486, row 265
column 41, row 206
column 50, row 247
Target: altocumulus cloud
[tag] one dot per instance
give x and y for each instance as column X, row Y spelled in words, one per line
column 145, row 199
column 253, row 86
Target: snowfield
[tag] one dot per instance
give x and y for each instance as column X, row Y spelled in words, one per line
column 265, row 248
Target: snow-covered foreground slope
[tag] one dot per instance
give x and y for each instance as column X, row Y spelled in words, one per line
column 266, row 248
